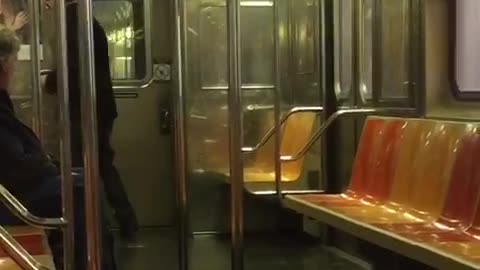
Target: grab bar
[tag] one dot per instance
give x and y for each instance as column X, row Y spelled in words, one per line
column 44, row 72
column 332, row 119
column 22, row 213
column 272, row 131
column 18, row 253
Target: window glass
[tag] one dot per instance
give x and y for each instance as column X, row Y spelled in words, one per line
column 258, row 45
column 467, row 44
column 213, row 46
column 343, row 47
column 124, row 23
column 366, row 83
column 304, row 36
column 395, row 49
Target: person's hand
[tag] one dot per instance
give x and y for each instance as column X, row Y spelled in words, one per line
column 18, row 22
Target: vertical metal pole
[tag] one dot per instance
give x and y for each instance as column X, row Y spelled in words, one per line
column 180, row 133
column 277, row 108
column 65, row 141
column 319, row 76
column 35, row 53
column 89, row 132
column 235, row 132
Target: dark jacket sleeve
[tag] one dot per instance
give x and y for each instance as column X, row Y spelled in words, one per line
column 22, row 171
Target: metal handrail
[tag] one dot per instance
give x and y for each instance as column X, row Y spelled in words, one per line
column 273, row 130
column 44, row 72
column 18, row 253
column 319, row 133
column 20, row 211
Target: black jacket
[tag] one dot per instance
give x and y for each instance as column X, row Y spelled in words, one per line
column 106, row 107
column 23, row 163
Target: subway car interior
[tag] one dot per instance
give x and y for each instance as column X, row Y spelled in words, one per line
column 281, row 134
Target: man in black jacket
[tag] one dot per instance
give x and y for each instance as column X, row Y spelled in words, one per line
column 106, row 115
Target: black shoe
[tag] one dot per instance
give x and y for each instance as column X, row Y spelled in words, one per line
column 128, row 224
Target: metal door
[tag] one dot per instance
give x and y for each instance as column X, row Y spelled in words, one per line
column 141, row 137
column 221, row 58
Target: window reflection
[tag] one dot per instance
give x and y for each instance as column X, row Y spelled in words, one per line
column 124, row 23
column 366, row 83
column 395, row 49
column 343, row 47
column 258, row 47
column 213, row 46
column 257, row 44
column 304, row 27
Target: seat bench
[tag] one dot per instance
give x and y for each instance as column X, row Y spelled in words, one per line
column 34, row 241
column 415, row 189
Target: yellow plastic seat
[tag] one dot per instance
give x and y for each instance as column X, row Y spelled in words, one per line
column 296, row 133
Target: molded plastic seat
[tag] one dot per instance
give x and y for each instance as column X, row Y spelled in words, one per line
column 296, row 133
column 434, row 200
column 419, row 196
column 34, row 241
column 364, row 165
column 464, row 244
column 411, row 138
column 461, row 200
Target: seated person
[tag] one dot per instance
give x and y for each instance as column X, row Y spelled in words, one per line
column 30, row 174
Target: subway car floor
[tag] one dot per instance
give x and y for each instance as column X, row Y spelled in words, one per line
column 156, row 249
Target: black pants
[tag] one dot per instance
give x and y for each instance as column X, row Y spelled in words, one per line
column 114, row 190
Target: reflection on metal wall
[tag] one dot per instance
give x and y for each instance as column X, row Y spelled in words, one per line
column 208, row 81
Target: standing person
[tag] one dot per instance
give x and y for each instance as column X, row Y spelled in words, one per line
column 106, row 115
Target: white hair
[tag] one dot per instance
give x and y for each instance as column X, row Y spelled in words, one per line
column 9, row 44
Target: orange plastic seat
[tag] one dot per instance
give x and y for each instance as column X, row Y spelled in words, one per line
column 363, row 168
column 464, row 244
column 418, row 196
column 424, row 185
column 410, row 138
column 296, row 133
column 34, row 241
column 460, row 204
